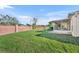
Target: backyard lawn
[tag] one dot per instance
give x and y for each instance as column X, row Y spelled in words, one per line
column 38, row 42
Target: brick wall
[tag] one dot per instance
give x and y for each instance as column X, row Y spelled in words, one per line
column 24, row 28
column 6, row 29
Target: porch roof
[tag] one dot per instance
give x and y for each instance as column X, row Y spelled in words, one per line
column 61, row 20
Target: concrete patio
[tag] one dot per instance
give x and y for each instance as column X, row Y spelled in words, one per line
column 60, row 31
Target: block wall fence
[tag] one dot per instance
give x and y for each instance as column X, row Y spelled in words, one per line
column 7, row 29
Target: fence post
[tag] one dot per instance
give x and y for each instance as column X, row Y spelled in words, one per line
column 16, row 28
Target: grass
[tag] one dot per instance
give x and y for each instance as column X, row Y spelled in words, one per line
column 31, row 43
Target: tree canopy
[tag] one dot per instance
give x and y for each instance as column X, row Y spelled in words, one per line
column 34, row 22
column 8, row 20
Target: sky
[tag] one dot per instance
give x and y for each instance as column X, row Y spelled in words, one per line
column 44, row 13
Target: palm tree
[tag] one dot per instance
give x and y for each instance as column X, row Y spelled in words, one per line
column 34, row 23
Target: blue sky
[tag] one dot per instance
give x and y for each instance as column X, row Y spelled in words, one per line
column 44, row 13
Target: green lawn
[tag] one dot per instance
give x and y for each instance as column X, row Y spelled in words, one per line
column 31, row 42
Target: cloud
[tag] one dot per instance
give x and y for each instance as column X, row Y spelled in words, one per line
column 55, row 16
column 43, row 21
column 59, row 14
column 5, row 7
column 65, row 12
column 25, row 17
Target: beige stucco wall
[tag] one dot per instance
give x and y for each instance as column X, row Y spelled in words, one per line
column 75, row 25
column 65, row 25
column 54, row 25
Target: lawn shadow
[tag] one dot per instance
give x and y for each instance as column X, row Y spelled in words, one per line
column 61, row 37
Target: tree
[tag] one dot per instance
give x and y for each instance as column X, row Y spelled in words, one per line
column 34, row 23
column 28, row 24
column 50, row 25
column 8, row 20
column 14, row 21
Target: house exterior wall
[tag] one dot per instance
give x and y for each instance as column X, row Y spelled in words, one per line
column 63, row 25
column 75, row 25
column 54, row 25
